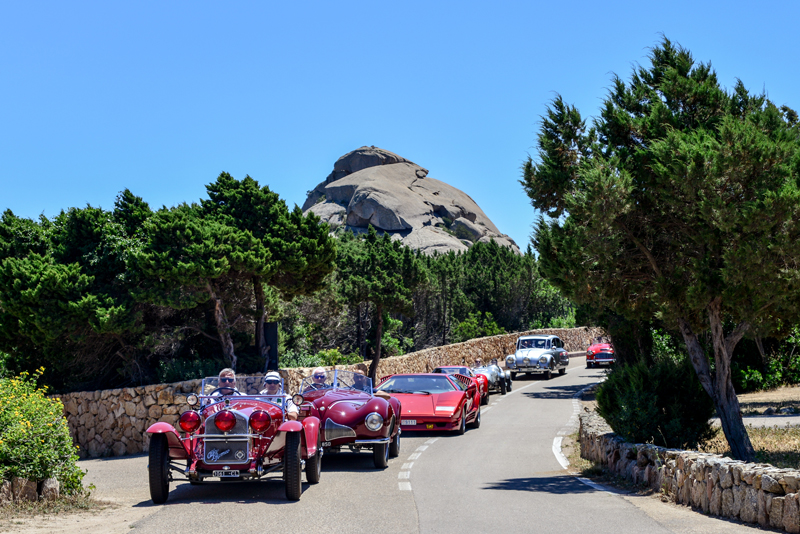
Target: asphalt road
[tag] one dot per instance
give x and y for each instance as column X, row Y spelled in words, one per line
column 504, row 476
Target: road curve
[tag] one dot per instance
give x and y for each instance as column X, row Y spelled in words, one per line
column 501, row 477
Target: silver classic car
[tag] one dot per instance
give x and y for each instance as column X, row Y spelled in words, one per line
column 538, row 354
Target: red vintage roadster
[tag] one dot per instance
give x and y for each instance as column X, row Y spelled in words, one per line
column 481, row 380
column 600, row 353
column 435, row 401
column 350, row 415
column 234, row 432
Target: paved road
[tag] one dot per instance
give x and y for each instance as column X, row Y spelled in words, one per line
column 501, row 477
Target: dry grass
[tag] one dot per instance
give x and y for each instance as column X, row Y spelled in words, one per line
column 783, row 397
column 11, row 513
column 774, row 445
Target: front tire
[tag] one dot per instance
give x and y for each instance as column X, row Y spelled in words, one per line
column 503, row 386
column 508, row 385
column 562, row 371
column 394, row 446
column 548, row 374
column 292, row 472
column 463, row 426
column 380, row 455
column 158, row 468
column 485, row 400
column 513, row 375
column 314, row 464
column 477, row 422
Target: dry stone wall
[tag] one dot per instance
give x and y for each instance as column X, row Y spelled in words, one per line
column 114, row 422
column 713, row 484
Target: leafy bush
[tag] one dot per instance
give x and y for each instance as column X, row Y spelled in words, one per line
column 324, row 358
column 34, row 437
column 664, row 404
column 476, row 325
column 183, row 369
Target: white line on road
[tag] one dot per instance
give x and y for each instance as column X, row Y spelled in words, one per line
column 558, row 454
column 404, row 486
column 431, row 441
column 422, row 448
column 414, row 456
column 484, row 410
column 598, row 487
column 407, row 466
column 404, row 474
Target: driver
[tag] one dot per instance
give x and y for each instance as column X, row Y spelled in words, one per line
column 226, row 385
column 359, row 380
column 272, row 386
column 318, row 380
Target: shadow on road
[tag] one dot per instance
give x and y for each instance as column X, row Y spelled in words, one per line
column 555, row 392
column 558, row 485
column 270, row 490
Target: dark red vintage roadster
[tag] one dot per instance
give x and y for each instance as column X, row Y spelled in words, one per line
column 232, row 433
column 350, row 415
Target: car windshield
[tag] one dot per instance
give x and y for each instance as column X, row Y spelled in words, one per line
column 224, row 386
column 337, row 380
column 534, row 343
column 417, row 384
column 453, row 370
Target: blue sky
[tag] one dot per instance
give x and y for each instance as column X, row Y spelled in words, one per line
column 160, row 97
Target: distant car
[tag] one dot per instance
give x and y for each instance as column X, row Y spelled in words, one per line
column 600, row 354
column 480, row 379
column 434, row 401
column 350, row 415
column 234, row 433
column 539, row 354
column 499, row 380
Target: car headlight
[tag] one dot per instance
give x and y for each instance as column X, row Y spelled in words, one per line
column 510, row 362
column 526, row 360
column 589, row 353
column 374, row 421
column 543, row 359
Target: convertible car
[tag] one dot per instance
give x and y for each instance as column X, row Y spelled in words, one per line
column 481, row 381
column 600, row 354
column 497, row 380
column 539, row 354
column 350, row 415
column 233, row 432
column 434, row 401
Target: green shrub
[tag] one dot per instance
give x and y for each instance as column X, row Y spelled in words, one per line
column 664, row 404
column 476, row 325
column 34, row 437
column 179, row 370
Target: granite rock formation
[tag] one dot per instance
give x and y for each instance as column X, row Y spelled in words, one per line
column 372, row 186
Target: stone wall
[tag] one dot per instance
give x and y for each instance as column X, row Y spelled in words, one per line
column 713, row 484
column 113, row 422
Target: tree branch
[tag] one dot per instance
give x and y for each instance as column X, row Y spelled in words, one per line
column 643, row 249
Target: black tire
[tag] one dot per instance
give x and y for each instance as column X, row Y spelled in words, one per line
column 477, row 422
column 463, row 426
column 562, row 371
column 292, row 472
column 380, row 455
column 508, row 385
column 513, row 376
column 485, row 400
column 314, row 464
column 548, row 374
column 394, row 446
column 158, row 468
column 503, row 386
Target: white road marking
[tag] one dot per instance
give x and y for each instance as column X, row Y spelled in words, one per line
column 404, row 474
column 422, row 448
column 484, row 410
column 431, row 441
column 598, row 487
column 558, row 454
column 571, row 426
column 407, row 466
column 520, row 389
column 404, row 486
column 414, row 456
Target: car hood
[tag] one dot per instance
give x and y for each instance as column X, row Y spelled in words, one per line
column 531, row 353
column 600, row 347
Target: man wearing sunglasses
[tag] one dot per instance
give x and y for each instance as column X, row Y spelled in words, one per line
column 272, row 387
column 318, row 377
column 226, row 384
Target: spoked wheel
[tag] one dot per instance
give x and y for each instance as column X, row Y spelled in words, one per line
column 158, row 468
column 314, row 464
column 292, row 472
column 394, row 446
column 463, row 426
column 477, row 422
column 508, row 385
column 503, row 386
column 380, row 455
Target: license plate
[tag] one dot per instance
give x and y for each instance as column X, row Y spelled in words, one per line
column 326, row 443
column 224, row 474
column 408, row 422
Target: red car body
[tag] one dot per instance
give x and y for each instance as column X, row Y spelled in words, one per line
column 234, row 437
column 351, row 416
column 435, row 401
column 481, row 381
column 600, row 354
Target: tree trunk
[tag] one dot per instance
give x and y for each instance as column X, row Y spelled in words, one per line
column 261, row 313
column 719, row 385
column 373, row 368
column 221, row 319
column 360, row 332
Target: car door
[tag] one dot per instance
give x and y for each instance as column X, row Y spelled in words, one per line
column 561, row 354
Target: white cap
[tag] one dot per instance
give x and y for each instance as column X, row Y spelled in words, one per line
column 272, row 375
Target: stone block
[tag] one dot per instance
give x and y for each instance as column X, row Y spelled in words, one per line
column 725, row 476
column 50, row 489
column 715, row 502
column 762, row 510
column 141, row 411
column 726, row 503
column 155, row 411
column 165, row 396
column 776, row 512
column 148, row 400
column 169, row 409
column 749, row 508
column 790, row 482
column 769, row 484
column 130, row 408
column 791, row 513
column 24, row 489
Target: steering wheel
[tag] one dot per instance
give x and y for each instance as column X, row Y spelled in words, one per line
column 233, row 391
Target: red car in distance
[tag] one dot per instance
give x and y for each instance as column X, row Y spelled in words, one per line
column 482, row 381
column 600, row 353
column 435, row 401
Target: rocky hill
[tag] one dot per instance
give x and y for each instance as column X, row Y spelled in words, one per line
column 374, row 186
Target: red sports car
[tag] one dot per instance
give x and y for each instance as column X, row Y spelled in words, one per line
column 481, row 380
column 600, row 354
column 350, row 415
column 435, row 401
column 234, row 432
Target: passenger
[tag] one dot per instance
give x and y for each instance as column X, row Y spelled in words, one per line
column 272, row 386
column 360, row 380
column 318, row 380
column 226, row 384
